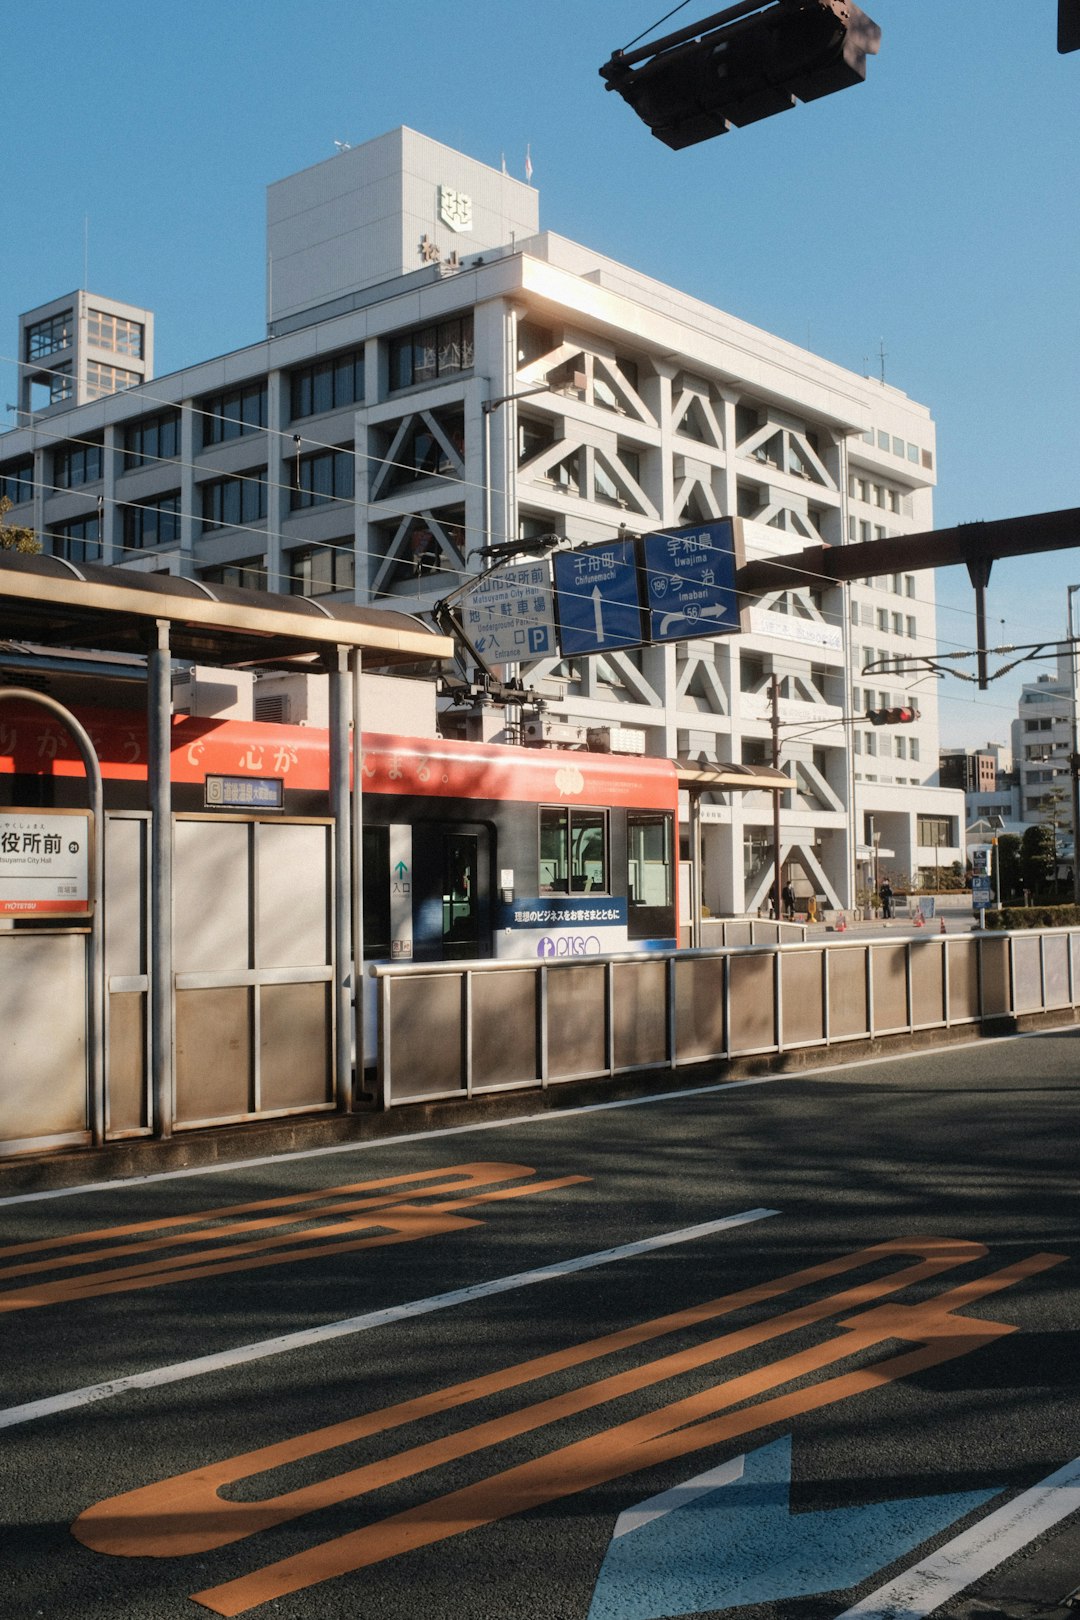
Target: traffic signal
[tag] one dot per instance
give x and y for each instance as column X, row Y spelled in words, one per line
column 689, row 89
column 891, row 717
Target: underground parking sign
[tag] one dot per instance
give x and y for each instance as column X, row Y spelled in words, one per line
column 45, row 863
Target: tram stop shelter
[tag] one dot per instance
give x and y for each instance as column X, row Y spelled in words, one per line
column 216, row 985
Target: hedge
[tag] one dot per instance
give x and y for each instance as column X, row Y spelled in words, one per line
column 1034, row 917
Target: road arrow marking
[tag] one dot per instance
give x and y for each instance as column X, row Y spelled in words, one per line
column 729, row 1538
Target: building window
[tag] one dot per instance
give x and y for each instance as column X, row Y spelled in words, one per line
column 78, row 541
column 17, row 481
column 898, row 624
column 248, row 575
column 911, row 628
column 75, row 464
column 913, row 747
column 882, row 440
column 318, row 570
column 882, row 619
column 231, row 415
column 46, row 337
column 325, row 476
column 534, row 436
column 533, row 342
column 935, row 832
column 114, row 332
column 234, row 501
column 327, row 386
column 422, row 453
column 152, row 523
column 153, row 438
column 61, row 384
column 432, row 351
column 573, row 851
column 102, row 379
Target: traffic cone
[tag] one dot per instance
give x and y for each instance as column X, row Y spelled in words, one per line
column 919, row 920
column 941, row 929
column 841, row 923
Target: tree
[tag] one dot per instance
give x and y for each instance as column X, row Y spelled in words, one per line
column 1039, row 849
column 16, row 536
column 1008, row 864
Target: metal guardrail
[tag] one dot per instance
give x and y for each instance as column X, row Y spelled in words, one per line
column 465, row 1029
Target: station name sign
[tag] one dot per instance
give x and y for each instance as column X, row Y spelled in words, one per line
column 45, row 863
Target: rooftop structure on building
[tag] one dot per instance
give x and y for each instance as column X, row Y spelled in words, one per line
column 78, row 348
column 440, row 375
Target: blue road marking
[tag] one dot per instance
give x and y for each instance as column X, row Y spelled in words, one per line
column 729, row 1538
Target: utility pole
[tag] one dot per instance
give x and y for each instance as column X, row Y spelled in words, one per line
column 774, row 695
column 1074, row 753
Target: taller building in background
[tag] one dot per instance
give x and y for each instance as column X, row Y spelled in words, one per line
column 440, row 376
column 79, row 348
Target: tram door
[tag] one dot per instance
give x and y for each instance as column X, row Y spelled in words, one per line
column 452, row 904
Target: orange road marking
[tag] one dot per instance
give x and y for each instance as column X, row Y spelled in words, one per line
column 400, row 1219
column 186, row 1514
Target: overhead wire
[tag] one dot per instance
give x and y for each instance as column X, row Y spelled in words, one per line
column 459, row 485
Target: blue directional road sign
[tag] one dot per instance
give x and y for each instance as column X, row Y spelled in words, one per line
column 691, row 581
column 596, row 596
column 980, row 892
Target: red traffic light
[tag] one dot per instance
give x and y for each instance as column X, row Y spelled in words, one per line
column 891, row 717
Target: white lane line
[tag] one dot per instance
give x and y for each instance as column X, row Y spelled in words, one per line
column 201, row 1365
column 512, row 1124
column 974, row 1553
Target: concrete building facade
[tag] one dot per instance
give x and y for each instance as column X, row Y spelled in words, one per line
column 440, row 375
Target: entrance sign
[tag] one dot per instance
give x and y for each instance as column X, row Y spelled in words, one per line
column 45, row 863
column 691, row 581
column 596, row 591
column 510, row 616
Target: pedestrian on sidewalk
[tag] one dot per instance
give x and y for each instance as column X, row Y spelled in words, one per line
column 886, row 899
column 787, row 895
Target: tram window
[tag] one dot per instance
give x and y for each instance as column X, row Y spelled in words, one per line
column 648, row 859
column 376, row 858
column 573, row 851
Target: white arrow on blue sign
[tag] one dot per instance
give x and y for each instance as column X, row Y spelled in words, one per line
column 691, row 581
column 729, row 1538
column 596, row 593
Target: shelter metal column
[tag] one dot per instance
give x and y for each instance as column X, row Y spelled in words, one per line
column 159, row 786
column 339, row 808
column 359, row 981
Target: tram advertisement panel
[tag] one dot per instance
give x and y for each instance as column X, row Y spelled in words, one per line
column 562, row 925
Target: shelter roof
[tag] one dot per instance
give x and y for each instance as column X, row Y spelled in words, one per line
column 56, row 603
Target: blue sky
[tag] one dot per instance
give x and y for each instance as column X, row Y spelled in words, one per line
column 932, row 212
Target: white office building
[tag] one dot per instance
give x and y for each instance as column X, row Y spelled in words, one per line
column 440, row 375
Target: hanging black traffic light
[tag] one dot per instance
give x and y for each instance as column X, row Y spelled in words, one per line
column 1068, row 33
column 743, row 64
